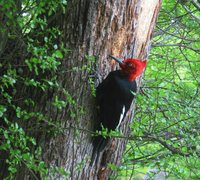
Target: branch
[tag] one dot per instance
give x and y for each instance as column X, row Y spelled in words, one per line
column 196, row 4
column 167, row 146
column 186, row 39
column 179, row 45
column 188, row 10
column 148, row 156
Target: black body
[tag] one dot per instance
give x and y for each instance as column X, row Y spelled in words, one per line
column 114, row 93
column 114, row 97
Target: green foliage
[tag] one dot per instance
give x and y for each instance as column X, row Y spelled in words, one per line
column 108, row 133
column 89, row 68
column 165, row 129
column 30, row 65
column 17, row 143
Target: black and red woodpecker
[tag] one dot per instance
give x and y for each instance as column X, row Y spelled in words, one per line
column 115, row 95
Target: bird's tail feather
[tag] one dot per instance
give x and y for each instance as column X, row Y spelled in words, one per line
column 99, row 143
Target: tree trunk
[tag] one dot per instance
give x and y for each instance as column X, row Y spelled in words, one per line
column 93, row 28
column 99, row 28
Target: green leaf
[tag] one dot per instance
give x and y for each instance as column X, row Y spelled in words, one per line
column 2, row 110
column 58, row 54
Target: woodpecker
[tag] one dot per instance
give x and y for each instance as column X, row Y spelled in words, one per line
column 115, row 95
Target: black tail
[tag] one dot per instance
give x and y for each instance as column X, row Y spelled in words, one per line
column 99, row 143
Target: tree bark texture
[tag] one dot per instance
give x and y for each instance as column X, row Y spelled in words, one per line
column 122, row 28
column 98, row 28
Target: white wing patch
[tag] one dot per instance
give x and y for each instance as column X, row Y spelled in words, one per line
column 121, row 117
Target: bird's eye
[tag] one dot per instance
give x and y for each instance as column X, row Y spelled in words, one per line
column 129, row 64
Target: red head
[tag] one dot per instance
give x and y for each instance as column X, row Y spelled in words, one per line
column 132, row 68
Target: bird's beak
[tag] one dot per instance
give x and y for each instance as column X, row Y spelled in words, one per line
column 120, row 61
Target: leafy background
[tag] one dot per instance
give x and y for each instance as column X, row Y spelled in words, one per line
column 166, row 125
column 165, row 130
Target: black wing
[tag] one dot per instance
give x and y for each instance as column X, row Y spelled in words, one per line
column 114, row 98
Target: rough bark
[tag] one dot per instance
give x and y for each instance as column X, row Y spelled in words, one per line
column 99, row 28
column 122, row 28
